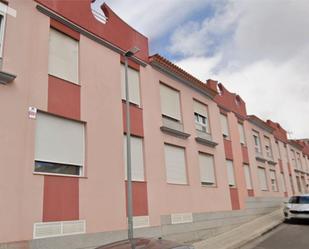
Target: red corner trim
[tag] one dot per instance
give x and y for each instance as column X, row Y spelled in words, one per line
column 64, row 29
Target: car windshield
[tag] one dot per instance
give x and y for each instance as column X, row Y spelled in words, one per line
column 299, row 200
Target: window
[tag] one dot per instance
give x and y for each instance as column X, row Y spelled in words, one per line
column 257, row 143
column 293, row 158
column 137, row 158
column 201, row 117
column 299, row 200
column 242, row 133
column 175, row 164
column 2, row 29
column 207, row 169
column 268, row 148
column 63, row 56
column 283, row 182
column 292, row 185
column 59, row 145
column 286, row 153
column 230, row 173
column 224, row 126
column 273, row 180
column 170, row 102
column 298, row 162
column 133, row 83
column 278, row 149
column 247, row 176
column 262, row 179
column 298, row 183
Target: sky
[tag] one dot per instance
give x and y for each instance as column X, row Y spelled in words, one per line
column 258, row 49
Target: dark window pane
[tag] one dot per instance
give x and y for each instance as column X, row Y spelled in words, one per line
column 56, row 168
column 304, row 200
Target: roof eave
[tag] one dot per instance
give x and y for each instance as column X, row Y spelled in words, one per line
column 208, row 92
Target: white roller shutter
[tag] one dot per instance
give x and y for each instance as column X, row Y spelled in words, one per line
column 137, row 158
column 175, row 164
column 170, row 102
column 273, row 180
column 134, row 85
column 241, row 133
column 262, row 178
column 59, row 140
column 200, row 108
column 247, row 176
column 283, row 182
column 63, row 56
column 230, row 173
column 207, row 171
column 224, row 125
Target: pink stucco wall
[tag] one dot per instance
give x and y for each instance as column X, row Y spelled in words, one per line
column 255, row 163
column 102, row 199
column 101, row 107
column 21, row 192
column 167, row 198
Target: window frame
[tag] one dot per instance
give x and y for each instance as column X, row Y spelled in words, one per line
column 225, row 136
column 168, row 181
column 134, row 170
column 163, row 115
column 231, row 163
column 247, row 166
column 2, row 32
column 273, row 181
column 204, row 183
column 241, row 130
column 81, row 167
column 268, row 148
column 202, row 124
column 264, row 175
column 76, row 80
column 258, row 145
column 122, row 67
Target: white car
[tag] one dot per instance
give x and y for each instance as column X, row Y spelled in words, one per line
column 297, row 207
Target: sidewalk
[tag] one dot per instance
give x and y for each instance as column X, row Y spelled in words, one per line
column 242, row 234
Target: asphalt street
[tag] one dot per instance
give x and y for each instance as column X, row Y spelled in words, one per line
column 292, row 235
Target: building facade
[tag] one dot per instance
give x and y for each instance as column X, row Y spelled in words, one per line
column 195, row 151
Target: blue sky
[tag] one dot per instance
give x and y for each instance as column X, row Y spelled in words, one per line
column 257, row 48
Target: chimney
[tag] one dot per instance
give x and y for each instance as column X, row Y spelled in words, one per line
column 212, row 84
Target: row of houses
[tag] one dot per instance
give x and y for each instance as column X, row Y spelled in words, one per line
column 195, row 150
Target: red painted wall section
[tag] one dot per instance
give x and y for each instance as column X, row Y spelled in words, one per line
column 136, row 117
column 280, row 165
column 245, row 154
column 278, row 132
column 230, row 101
column 115, row 30
column 140, row 200
column 131, row 63
column 289, row 169
column 64, row 29
column 63, row 98
column 234, row 199
column 250, row 192
column 61, row 194
column 60, row 200
column 228, row 149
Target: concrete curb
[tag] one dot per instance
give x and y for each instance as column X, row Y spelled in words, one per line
column 244, row 233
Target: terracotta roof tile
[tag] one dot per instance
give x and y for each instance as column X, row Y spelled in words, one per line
column 181, row 73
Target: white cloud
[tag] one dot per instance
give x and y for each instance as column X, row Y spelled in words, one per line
column 264, row 57
column 154, row 17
